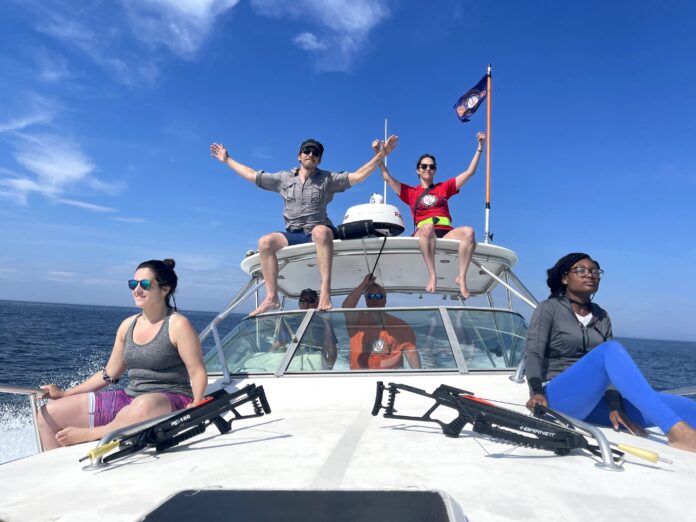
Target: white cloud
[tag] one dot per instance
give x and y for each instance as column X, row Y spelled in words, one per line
column 36, row 110
column 346, row 25
column 18, row 188
column 57, row 161
column 106, row 187
column 130, row 220
column 106, row 33
column 180, row 25
column 104, row 46
column 58, row 164
column 52, row 67
column 309, row 42
column 85, row 205
column 60, row 274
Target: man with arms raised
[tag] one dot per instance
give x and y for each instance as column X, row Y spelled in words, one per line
column 306, row 191
column 378, row 340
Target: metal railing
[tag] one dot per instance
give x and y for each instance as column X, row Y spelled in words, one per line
column 32, row 394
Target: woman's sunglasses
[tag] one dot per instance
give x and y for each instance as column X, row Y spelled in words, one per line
column 427, row 166
column 145, row 284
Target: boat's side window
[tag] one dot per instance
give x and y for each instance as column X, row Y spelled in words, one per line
column 257, row 345
column 489, row 339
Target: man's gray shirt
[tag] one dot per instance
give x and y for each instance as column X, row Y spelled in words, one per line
column 556, row 339
column 305, row 203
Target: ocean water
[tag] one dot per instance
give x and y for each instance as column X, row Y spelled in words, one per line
column 63, row 344
column 53, row 343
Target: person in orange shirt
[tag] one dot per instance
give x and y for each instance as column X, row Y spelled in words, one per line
column 378, row 340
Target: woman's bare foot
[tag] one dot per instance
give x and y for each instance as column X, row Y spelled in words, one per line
column 682, row 436
column 461, row 281
column 265, row 306
column 432, row 284
column 324, row 302
column 69, row 436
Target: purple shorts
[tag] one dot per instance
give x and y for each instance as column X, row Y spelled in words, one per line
column 107, row 404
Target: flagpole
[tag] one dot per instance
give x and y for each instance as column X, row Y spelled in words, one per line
column 488, row 237
column 385, row 160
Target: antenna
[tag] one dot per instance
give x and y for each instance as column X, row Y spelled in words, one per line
column 385, row 159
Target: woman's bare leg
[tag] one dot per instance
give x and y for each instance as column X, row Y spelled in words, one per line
column 426, row 240
column 60, row 413
column 466, row 249
column 142, row 408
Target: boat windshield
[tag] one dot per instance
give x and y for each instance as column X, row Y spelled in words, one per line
column 399, row 339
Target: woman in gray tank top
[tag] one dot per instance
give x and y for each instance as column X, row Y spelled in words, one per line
column 161, row 351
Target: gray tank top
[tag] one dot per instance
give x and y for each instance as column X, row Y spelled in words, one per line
column 155, row 366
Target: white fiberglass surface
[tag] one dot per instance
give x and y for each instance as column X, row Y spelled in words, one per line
column 375, row 339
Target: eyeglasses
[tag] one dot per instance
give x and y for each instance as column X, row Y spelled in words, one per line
column 372, row 296
column 308, row 300
column 583, row 272
column 427, row 166
column 311, row 151
column 145, row 284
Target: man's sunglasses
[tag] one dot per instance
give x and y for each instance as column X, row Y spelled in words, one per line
column 311, row 151
column 372, row 296
column 308, row 300
column 427, row 166
column 145, row 284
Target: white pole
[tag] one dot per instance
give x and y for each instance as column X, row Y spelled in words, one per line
column 385, row 160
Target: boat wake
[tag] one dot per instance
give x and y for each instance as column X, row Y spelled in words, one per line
column 17, row 438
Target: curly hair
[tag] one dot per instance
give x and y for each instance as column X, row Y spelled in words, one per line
column 556, row 272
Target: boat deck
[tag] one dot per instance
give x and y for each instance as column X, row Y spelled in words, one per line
column 321, row 436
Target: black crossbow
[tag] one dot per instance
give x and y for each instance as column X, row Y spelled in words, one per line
column 185, row 424
column 488, row 419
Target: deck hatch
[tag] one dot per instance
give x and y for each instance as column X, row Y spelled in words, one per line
column 300, row 506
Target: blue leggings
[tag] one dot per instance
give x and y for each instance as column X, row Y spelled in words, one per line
column 579, row 391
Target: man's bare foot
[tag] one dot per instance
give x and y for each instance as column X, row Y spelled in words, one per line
column 265, row 306
column 461, row 281
column 324, row 302
column 69, row 436
column 432, row 284
column 682, row 436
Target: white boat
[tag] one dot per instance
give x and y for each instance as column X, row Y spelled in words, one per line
column 321, row 455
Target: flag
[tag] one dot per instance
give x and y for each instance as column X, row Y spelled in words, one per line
column 469, row 102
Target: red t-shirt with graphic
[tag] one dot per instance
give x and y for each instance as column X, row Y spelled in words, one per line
column 433, row 204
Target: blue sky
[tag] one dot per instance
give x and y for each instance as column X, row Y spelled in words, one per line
column 109, row 108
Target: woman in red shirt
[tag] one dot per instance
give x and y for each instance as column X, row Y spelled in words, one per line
column 431, row 216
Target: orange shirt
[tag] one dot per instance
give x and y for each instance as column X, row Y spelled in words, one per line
column 378, row 340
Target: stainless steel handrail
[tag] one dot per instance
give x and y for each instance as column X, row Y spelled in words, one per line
column 32, row 394
column 607, row 463
column 686, row 391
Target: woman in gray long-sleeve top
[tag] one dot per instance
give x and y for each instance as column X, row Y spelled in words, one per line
column 574, row 366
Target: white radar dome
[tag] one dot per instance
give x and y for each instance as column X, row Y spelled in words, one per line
column 385, row 218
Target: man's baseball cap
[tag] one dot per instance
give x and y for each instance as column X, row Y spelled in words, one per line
column 314, row 144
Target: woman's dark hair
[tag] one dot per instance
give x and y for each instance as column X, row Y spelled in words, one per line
column 426, row 155
column 164, row 275
column 556, row 272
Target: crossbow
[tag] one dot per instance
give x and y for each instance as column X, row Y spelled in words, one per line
column 486, row 418
column 184, row 424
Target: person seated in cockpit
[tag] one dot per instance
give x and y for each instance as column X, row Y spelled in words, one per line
column 319, row 333
column 378, row 340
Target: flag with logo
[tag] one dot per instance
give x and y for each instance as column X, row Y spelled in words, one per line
column 468, row 103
